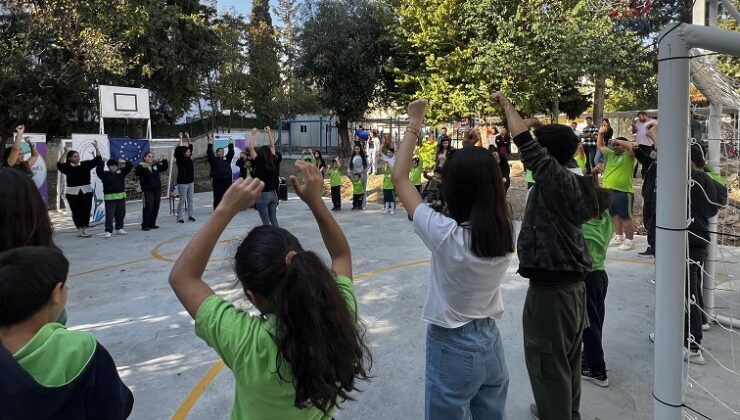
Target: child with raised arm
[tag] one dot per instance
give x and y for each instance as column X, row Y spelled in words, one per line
column 49, row 372
column 389, row 194
column 553, row 256
column 303, row 356
column 415, row 173
column 14, row 155
column 114, row 190
column 471, row 250
column 220, row 169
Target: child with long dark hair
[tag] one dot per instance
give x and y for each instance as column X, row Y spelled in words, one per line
column 267, row 169
column 79, row 192
column 185, row 177
column 303, row 356
column 471, row 251
column 221, row 174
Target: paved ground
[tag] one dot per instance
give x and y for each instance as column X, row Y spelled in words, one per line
column 119, row 292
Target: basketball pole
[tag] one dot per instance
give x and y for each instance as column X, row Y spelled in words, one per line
column 100, row 111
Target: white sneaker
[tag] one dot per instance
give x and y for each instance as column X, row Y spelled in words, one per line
column 393, row 211
column 651, row 336
column 121, row 232
column 627, row 245
column 385, row 210
column 705, row 327
column 84, row 233
column 693, row 356
column 107, row 235
column 617, row 241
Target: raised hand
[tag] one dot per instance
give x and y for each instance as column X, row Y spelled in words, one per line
column 313, row 183
column 241, row 195
column 20, row 129
column 417, row 110
column 602, row 129
column 180, row 134
column 267, row 129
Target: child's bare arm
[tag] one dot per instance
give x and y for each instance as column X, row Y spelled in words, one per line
column 186, row 277
column 334, row 240
column 252, row 141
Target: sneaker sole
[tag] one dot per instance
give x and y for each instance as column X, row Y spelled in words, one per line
column 603, row 384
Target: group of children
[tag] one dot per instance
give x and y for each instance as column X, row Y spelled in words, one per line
column 358, row 191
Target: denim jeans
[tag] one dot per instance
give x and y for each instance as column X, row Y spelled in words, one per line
column 186, row 194
column 267, row 208
column 466, row 372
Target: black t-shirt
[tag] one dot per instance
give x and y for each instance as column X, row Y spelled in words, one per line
column 269, row 177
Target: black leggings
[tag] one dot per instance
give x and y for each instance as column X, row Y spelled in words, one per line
column 80, row 205
column 220, row 185
column 151, row 208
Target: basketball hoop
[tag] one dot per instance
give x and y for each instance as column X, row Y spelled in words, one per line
column 131, row 116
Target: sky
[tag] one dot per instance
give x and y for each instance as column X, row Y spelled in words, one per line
column 242, row 6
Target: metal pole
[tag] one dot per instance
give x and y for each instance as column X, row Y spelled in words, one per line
column 670, row 270
column 714, row 134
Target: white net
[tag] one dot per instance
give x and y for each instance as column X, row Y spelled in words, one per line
column 711, row 389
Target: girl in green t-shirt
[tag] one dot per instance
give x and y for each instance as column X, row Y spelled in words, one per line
column 303, row 355
column 415, row 173
column 335, row 182
column 389, row 194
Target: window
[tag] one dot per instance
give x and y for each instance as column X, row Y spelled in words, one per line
column 304, row 129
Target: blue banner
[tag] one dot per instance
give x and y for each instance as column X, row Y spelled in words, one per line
column 132, row 150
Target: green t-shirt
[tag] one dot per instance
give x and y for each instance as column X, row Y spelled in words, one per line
column 619, row 171
column 415, row 175
column 581, row 161
column 41, row 356
column 715, row 174
column 335, row 177
column 598, row 233
column 246, row 346
column 529, row 177
column 387, row 180
column 357, row 187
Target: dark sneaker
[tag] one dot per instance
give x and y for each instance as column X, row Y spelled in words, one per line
column 145, row 229
column 191, row 218
column 648, row 253
column 598, row 379
column 155, row 227
column 180, row 221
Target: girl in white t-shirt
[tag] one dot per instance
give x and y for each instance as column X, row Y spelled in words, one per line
column 471, row 247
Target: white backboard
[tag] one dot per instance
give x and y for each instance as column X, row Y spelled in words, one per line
column 124, row 102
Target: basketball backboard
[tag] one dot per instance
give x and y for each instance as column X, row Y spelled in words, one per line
column 124, row 102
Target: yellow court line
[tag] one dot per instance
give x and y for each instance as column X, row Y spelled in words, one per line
column 200, row 387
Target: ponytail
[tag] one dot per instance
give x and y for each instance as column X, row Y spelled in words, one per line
column 319, row 339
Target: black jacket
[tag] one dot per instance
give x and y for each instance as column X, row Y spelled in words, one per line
column 96, row 393
column 185, row 168
column 79, row 175
column 703, row 207
column 551, row 247
column 220, row 168
column 149, row 179
column 113, row 182
column 649, row 182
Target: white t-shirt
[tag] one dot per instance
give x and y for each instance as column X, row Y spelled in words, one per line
column 642, row 129
column 462, row 286
column 357, row 164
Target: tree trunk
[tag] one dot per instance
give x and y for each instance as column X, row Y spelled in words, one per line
column 202, row 120
column 231, row 111
column 343, row 129
column 555, row 111
column 599, row 99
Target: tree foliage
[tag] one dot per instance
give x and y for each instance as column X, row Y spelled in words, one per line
column 342, row 57
column 264, row 68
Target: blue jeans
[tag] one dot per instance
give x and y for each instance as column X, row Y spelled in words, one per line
column 267, row 208
column 466, row 372
column 186, row 192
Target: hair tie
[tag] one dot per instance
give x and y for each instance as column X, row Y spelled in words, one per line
column 289, row 257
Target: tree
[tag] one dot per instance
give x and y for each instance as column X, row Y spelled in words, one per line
column 342, row 56
column 264, row 77
column 439, row 55
column 231, row 84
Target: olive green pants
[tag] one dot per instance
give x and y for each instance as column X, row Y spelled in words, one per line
column 553, row 321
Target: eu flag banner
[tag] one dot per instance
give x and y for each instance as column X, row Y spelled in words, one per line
column 133, row 150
